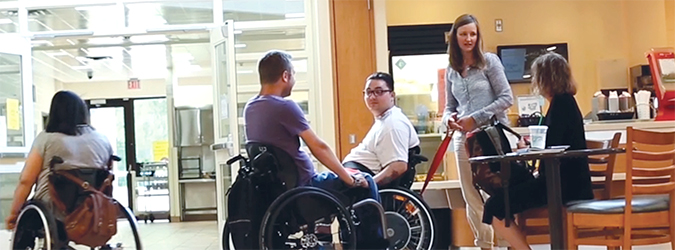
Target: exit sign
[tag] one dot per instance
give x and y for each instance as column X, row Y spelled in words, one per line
column 134, row 83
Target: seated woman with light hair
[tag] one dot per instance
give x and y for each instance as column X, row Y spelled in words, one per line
column 552, row 78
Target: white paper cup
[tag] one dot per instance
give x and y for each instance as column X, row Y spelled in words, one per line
column 643, row 111
column 538, row 136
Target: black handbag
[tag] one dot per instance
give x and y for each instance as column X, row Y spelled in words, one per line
column 491, row 140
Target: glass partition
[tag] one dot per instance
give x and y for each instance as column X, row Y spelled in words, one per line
column 11, row 102
column 9, row 21
column 263, row 10
column 155, row 14
column 420, row 89
column 100, row 17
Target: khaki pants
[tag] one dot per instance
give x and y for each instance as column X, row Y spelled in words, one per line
column 482, row 233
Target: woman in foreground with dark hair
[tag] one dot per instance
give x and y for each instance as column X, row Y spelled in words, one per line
column 67, row 135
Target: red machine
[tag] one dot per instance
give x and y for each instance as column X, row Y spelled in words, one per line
column 662, row 64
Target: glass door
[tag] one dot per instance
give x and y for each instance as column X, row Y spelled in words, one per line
column 138, row 132
column 225, row 114
column 16, row 95
column 109, row 118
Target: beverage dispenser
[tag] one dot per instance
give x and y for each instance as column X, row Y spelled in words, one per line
column 662, row 64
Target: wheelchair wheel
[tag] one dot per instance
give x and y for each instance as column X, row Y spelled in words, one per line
column 225, row 238
column 35, row 228
column 133, row 223
column 307, row 218
column 409, row 220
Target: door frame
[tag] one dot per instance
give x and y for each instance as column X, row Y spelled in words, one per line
column 129, row 133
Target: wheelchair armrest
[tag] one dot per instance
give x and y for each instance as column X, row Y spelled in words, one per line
column 419, row 158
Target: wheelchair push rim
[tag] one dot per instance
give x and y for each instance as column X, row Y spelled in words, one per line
column 44, row 231
column 25, row 227
column 410, row 221
column 278, row 225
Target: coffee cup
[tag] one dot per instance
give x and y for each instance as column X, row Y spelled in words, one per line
column 538, row 136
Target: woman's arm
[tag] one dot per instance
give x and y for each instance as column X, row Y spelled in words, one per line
column 450, row 113
column 500, row 87
column 29, row 176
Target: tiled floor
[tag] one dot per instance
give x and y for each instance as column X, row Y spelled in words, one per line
column 162, row 235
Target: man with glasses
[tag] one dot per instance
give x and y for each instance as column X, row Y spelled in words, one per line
column 271, row 119
column 384, row 150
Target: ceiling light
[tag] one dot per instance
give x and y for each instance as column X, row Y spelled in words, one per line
column 149, row 38
column 90, row 8
column 526, row 76
column 59, row 53
column 83, row 67
column 237, row 32
column 183, row 56
column 240, row 45
column 552, row 48
column 294, row 15
column 41, row 42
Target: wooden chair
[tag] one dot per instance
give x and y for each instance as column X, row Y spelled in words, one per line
column 534, row 222
column 646, row 215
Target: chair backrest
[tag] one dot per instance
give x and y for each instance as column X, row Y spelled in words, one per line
column 414, row 158
column 606, row 161
column 70, row 193
column 650, row 164
column 408, row 177
column 273, row 160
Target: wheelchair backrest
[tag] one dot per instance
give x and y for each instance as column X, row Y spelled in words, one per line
column 406, row 179
column 70, row 193
column 269, row 159
column 414, row 157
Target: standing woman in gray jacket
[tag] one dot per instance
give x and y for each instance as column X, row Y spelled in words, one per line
column 476, row 89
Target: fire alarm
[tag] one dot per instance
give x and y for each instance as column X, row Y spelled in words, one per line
column 499, row 25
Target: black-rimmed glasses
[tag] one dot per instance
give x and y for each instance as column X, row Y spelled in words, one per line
column 376, row 92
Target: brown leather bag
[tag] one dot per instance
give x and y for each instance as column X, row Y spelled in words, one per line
column 94, row 219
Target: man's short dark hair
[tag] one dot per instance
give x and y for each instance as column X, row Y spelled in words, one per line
column 272, row 66
column 384, row 77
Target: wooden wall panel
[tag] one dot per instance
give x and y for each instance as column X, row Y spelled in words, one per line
column 354, row 59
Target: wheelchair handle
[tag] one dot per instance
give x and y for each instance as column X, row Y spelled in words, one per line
column 234, row 159
column 55, row 160
column 115, row 158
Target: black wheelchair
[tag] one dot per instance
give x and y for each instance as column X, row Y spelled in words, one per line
column 313, row 218
column 37, row 227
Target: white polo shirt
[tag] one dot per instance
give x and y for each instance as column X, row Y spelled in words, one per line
column 388, row 140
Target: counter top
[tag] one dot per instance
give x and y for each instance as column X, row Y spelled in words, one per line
column 450, row 184
column 201, row 180
column 597, row 126
column 616, row 125
column 454, row 184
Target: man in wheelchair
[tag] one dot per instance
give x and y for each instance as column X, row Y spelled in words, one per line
column 270, row 119
column 385, row 149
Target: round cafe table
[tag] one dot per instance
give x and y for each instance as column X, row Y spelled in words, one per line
column 551, row 158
